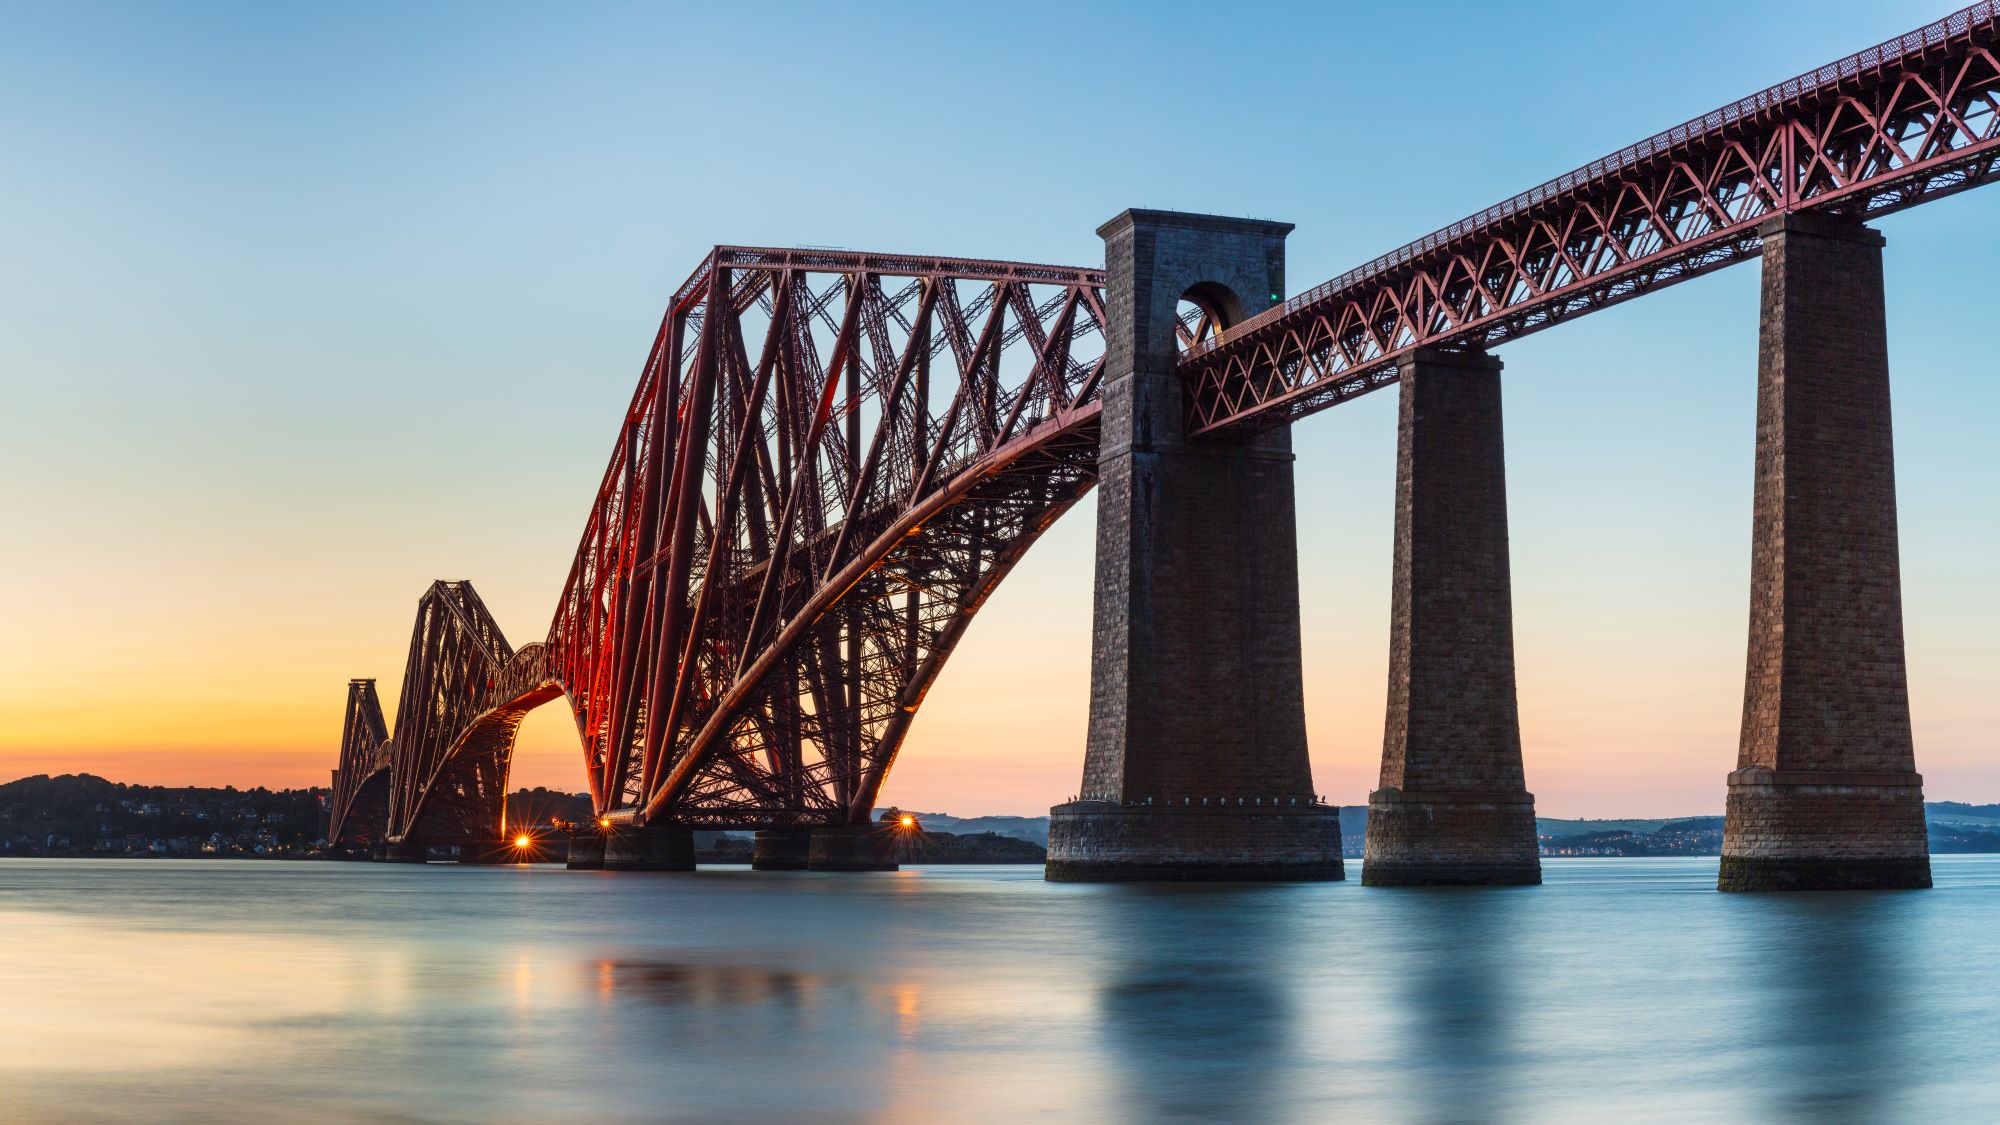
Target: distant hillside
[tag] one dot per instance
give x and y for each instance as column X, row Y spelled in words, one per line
column 1955, row 827
column 86, row 815
column 1033, row 829
column 1959, row 813
column 82, row 814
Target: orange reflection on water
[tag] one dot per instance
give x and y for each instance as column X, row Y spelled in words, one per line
column 89, row 992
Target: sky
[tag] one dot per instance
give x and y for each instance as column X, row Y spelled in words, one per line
column 306, row 305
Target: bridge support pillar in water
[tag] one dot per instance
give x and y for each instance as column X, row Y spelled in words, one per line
column 849, row 847
column 1453, row 807
column 586, row 851
column 406, row 851
column 1195, row 766
column 482, row 850
column 652, row 847
column 1826, row 794
column 781, row 849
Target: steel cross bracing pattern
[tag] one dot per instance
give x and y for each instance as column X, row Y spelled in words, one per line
column 1897, row 125
column 465, row 691
column 832, row 457
column 360, row 801
column 831, row 460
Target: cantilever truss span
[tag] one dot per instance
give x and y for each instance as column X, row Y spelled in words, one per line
column 832, row 458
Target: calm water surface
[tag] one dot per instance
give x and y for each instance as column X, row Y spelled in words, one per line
column 154, row 991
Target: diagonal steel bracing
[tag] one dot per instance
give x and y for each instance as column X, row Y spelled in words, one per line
column 833, row 457
column 1899, row 124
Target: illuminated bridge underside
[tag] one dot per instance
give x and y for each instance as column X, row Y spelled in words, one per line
column 1894, row 126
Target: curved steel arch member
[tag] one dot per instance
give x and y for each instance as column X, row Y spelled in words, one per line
column 831, row 460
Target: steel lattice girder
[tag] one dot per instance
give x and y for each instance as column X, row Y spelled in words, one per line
column 360, row 800
column 830, row 461
column 1894, row 126
column 464, row 694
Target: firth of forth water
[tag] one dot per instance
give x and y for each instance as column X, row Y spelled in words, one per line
column 1629, row 990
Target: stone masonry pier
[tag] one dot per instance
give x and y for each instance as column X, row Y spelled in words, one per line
column 1195, row 765
column 1452, row 807
column 1826, row 793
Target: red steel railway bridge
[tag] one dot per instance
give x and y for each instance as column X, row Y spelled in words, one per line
column 833, row 458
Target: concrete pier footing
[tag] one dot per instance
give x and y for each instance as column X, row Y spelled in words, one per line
column 491, row 851
column 586, row 851
column 781, row 849
column 652, row 847
column 1451, row 840
column 1801, row 831
column 851, row 847
column 1826, row 794
column 406, row 851
column 1452, row 808
column 1197, row 695
column 1106, row 843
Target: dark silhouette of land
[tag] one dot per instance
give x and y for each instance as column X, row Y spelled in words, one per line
column 86, row 815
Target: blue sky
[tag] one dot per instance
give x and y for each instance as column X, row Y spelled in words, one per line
column 309, row 304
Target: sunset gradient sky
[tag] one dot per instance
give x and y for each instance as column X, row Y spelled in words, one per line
column 306, row 305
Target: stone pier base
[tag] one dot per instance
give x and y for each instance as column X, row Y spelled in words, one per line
column 653, row 847
column 849, row 847
column 1451, row 840
column 406, row 851
column 1818, row 831
column 1825, row 795
column 493, row 851
column 1097, row 841
column 586, row 852
column 781, row 849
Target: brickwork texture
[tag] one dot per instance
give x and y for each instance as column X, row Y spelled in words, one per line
column 1826, row 792
column 1196, row 683
column 1452, row 806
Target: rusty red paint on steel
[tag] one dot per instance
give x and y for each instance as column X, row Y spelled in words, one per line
column 833, row 457
column 1888, row 128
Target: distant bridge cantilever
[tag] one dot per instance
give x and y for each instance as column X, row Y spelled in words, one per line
column 831, row 459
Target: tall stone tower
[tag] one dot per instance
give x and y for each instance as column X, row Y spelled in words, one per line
column 1196, row 763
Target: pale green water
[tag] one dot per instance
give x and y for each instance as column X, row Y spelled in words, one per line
column 154, row 991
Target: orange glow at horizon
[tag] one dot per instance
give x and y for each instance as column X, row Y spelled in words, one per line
column 202, row 671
